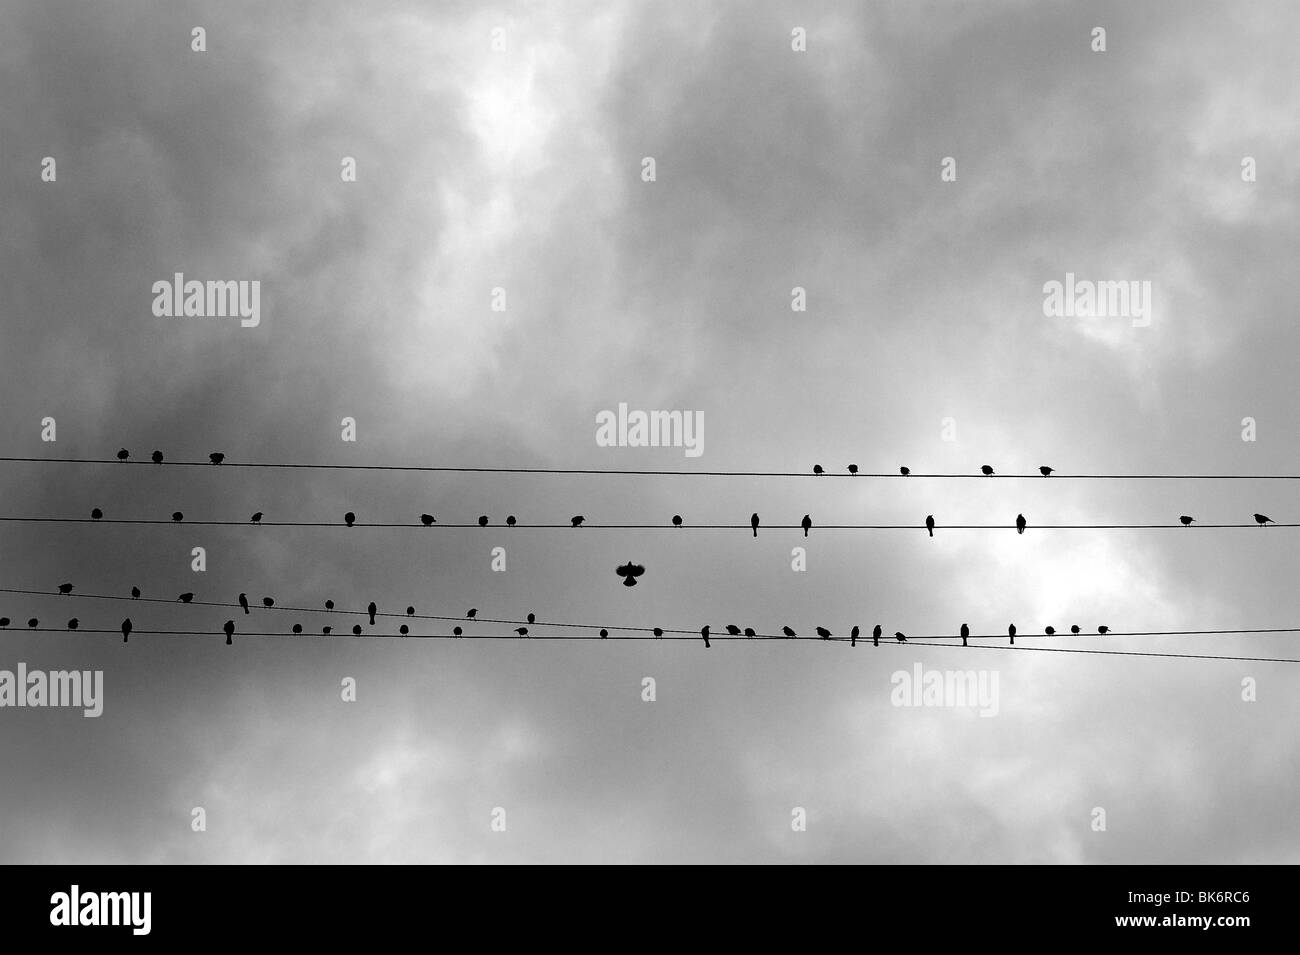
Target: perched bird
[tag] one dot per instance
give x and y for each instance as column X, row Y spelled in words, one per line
column 33, row 623
column 349, row 518
column 472, row 613
column 1045, row 471
column 256, row 518
column 987, row 471
column 603, row 633
column 817, row 469
column 327, row 630
column 65, row 589
column 329, row 605
column 157, row 457
column 1074, row 628
column 704, row 632
column 126, row 629
column 426, row 519
column 1261, row 520
column 1187, row 521
column 457, row 631
column 268, row 602
column 1050, row 631
column 4, row 621
column 576, row 520
column 875, row 635
column 410, row 611
column 749, row 632
column 243, row 602
column 135, row 593
column 788, row 632
column 532, row 618
column 753, row 523
column 510, row 521
column 96, row 514
column 677, row 520
column 629, row 572
column 823, row 633
column 905, row 471
column 356, row 630
column 372, row 610
column 403, row 629
column 229, row 627
column 853, row 636
column 216, row 457
column 929, row 524
column 853, row 469
column 185, row 597
column 657, row 632
column 900, row 637
column 177, row 516
column 73, row 623
column 733, row 630
column 1103, row 629
column 965, row 633
column 522, row 631
column 806, row 523
column 1011, row 632
column 482, row 520
column 1020, row 523
column 123, row 454
column 297, row 628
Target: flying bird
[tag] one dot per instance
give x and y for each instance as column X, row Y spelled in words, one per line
column 817, row 469
column 256, row 518
column 733, row 630
column 788, row 632
column 900, row 637
column 929, row 524
column 510, row 521
column 576, row 520
column 123, row 454
column 426, row 519
column 1020, row 523
column 677, row 520
column 704, row 632
column 905, row 471
column 987, row 471
column 371, row 609
column 1261, row 520
column 73, row 624
column 243, row 602
column 96, row 514
column 1045, row 471
column 349, row 518
column 482, row 520
column 185, row 597
column 216, row 457
column 157, row 457
column 823, row 633
column 126, row 629
column 65, row 589
column 135, row 593
column 753, row 523
column 629, row 572
column 229, row 627
column 177, row 516
column 1187, row 521
column 1011, row 632
column 853, row 636
column 806, row 523
column 268, row 602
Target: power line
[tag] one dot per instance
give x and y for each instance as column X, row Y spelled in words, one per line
column 653, row 473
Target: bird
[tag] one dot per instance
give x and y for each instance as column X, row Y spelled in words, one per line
column 987, row 471
column 929, row 524
column 853, row 636
column 657, row 632
column 1187, row 521
column 603, row 633
column 1050, row 631
column 73, row 623
column 268, row 602
column 788, row 632
column 576, row 520
column 33, row 622
column 410, row 611
column 1011, row 632
column 123, row 454
column 905, row 471
column 817, row 469
column 753, row 523
column 243, row 602
column 356, row 630
column 1020, row 523
column 510, row 521
column 297, row 628
column 329, row 605
column 349, row 518
column 853, row 469
column 522, row 631
column 1074, row 628
column 1261, row 520
column 677, row 520
column 532, row 618
column 629, row 572
column 65, row 589
column 704, row 632
column 216, row 457
column 327, row 630
column 135, row 593
column 733, row 630
column 806, row 523
column 875, row 635
column 472, row 613
column 185, row 597
column 965, row 633
column 126, row 629
column 823, row 633
column 900, row 637
column 96, row 514
column 256, row 518
column 1045, row 471
column 229, row 627
column 483, row 520
column 403, row 629
column 157, row 457
column 4, row 621
column 457, row 631
column 1103, row 629
column 371, row 609
column 177, row 516
column 426, row 519
column 749, row 632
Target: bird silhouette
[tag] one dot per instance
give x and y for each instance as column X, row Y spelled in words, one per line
column 371, row 609
column 733, row 630
column 126, row 629
column 510, row 521
column 327, row 630
column 4, row 621
column 853, row 636
column 900, row 637
column 1020, row 523
column 297, row 628
column 823, row 633
column 329, row 605
column 1045, row 471
column 73, row 624
column 356, row 630
column 704, row 632
column 472, row 613
column 268, row 602
column 817, row 469
column 65, row 589
column 157, row 457
column 1187, row 521
column 33, row 622
column 177, row 516
column 403, row 629
column 965, row 634
column 929, row 524
column 185, row 597
column 987, row 471
column 1050, row 631
column 875, row 635
column 243, row 602
column 905, row 471
column 522, row 631
column 216, row 457
column 677, row 520
column 256, row 518
column 657, row 632
column 1011, row 632
column 483, row 520
column 410, row 611
column 532, row 618
column 456, row 631
column 853, row 469
column 426, row 519
column 349, row 518
column 1074, row 628
column 123, row 454
column 96, row 514
column 1261, row 520
column 788, row 632
column 229, row 627
column 135, row 593
column 753, row 523
column 576, row 520
column 1103, row 629
column 806, row 523
column 749, row 632
column 629, row 572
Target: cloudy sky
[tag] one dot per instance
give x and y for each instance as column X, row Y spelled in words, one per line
column 521, row 169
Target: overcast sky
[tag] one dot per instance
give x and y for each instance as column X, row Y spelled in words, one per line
column 521, row 168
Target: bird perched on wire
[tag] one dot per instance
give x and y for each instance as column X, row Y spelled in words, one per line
column 965, row 634
column 65, row 589
column 1103, row 629
column 372, row 610
column 749, row 632
column 788, row 632
column 126, row 629
column 1045, row 471
column 229, row 627
column 806, row 523
column 216, row 457
column 522, row 631
column 1187, row 521
column 185, row 597
column 817, row 469
column 900, row 637
column 677, row 520
column 426, row 519
column 135, row 593
column 604, row 634
column 403, row 629
column 823, row 633
column 349, row 518
column 1050, row 631
column 576, row 520
column 327, row 630
column 410, row 611
column 96, row 514
column 33, row 623
column 1261, row 520
column 753, row 523
column 733, row 630
column 1011, row 632
column 531, row 618
column 853, row 469
column 629, row 572
column 875, row 635
column 1074, row 628
column 929, row 524
column 482, row 520
column 1020, row 523
column 456, row 631
column 704, row 632
column 853, row 636
column 157, row 457
column 510, row 521
column 657, row 631
column 123, row 454
column 905, row 471
column 472, row 613
column 329, row 605
column 177, row 516
column 297, row 628
column 268, row 603
column 243, row 602
column 986, row 470
column 73, row 624
column 356, row 630
column 256, row 518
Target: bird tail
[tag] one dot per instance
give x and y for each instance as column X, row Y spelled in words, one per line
column 930, row 531
column 245, row 610
column 755, row 530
